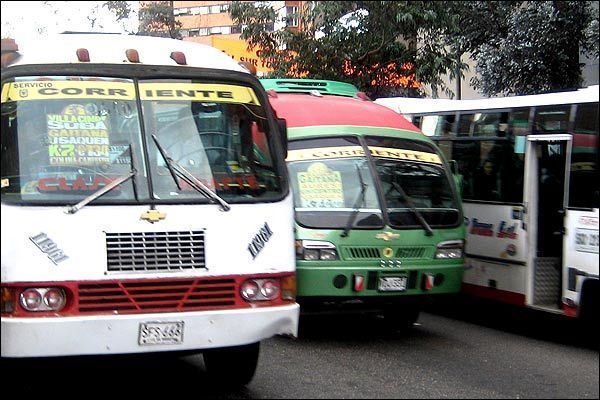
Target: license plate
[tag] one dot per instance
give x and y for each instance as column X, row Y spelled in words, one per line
column 392, row 283
column 161, row 333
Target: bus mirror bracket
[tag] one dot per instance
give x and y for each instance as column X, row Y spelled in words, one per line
column 454, row 167
column 282, row 128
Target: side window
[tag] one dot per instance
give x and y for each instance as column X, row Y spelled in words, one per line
column 551, row 119
column 489, row 124
column 491, row 169
column 584, row 188
column 437, row 125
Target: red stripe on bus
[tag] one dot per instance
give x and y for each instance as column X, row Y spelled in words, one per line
column 504, row 296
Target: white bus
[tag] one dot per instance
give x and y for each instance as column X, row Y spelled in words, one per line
column 531, row 192
column 145, row 203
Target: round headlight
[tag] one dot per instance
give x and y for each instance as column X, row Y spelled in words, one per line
column 31, row 300
column 55, row 299
column 269, row 289
column 249, row 290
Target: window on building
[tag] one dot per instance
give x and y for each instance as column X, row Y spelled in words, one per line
column 195, row 10
column 215, row 9
column 224, row 8
column 292, row 16
column 236, row 29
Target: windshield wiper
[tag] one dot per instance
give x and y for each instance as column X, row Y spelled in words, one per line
column 177, row 171
column 100, row 192
column 408, row 201
column 110, row 186
column 359, row 201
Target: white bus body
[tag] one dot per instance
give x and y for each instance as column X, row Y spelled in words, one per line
column 148, row 266
column 535, row 247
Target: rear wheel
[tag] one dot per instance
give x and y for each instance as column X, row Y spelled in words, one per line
column 232, row 365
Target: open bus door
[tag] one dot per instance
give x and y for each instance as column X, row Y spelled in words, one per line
column 546, row 183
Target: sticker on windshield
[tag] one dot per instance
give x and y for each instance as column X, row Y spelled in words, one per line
column 320, row 187
column 51, row 90
column 402, row 154
column 77, row 137
column 211, row 92
column 357, row 151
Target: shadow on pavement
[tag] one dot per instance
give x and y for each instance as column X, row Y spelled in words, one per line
column 518, row 320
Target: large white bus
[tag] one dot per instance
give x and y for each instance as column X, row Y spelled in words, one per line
column 531, row 191
column 137, row 215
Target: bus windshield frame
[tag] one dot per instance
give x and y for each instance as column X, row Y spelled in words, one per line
column 329, row 164
column 225, row 115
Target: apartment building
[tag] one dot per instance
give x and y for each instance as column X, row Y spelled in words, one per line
column 209, row 22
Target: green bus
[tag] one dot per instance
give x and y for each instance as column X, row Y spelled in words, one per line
column 379, row 222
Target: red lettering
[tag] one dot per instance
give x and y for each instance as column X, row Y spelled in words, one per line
column 79, row 184
column 43, row 185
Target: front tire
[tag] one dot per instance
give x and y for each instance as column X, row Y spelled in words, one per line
column 232, row 365
column 401, row 318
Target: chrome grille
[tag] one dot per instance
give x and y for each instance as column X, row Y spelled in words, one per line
column 366, row 253
column 155, row 251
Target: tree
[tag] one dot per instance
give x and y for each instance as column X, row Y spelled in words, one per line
column 156, row 18
column 385, row 48
column 525, row 47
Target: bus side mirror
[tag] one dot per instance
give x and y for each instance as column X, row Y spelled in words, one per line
column 282, row 127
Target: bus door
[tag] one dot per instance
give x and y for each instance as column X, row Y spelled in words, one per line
column 545, row 193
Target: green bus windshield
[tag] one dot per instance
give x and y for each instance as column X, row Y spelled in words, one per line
column 333, row 179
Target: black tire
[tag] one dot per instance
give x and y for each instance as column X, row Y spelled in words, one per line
column 401, row 318
column 232, row 365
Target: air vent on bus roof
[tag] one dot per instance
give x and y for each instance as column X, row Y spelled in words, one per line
column 310, row 85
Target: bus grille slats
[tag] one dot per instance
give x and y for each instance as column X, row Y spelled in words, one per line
column 155, row 251
column 365, row 253
column 170, row 296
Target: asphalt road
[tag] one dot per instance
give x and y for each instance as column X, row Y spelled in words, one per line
column 450, row 353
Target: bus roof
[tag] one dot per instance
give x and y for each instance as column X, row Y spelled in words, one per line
column 410, row 106
column 111, row 49
column 305, row 110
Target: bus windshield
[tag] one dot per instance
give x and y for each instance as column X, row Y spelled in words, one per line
column 328, row 189
column 332, row 181
column 414, row 183
column 79, row 134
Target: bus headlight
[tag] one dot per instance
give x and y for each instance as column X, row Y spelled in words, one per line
column 260, row 289
column 449, row 249
column 314, row 250
column 43, row 299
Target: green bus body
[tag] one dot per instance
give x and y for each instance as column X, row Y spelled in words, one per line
column 363, row 255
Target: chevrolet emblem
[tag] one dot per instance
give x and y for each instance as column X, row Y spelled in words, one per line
column 153, row 216
column 387, row 236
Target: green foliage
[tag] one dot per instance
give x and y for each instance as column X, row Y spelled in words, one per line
column 376, row 45
column 525, row 47
column 156, row 18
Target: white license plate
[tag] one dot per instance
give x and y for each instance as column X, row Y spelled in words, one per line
column 161, row 333
column 392, row 283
